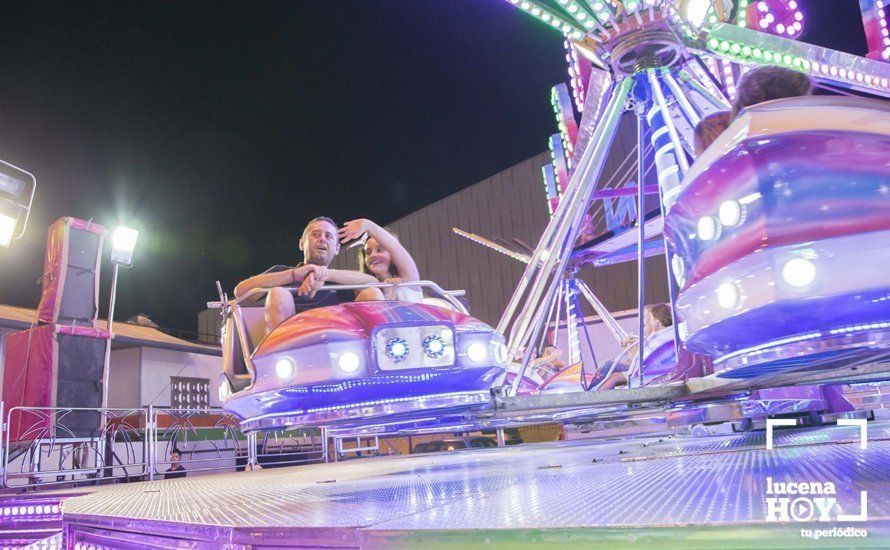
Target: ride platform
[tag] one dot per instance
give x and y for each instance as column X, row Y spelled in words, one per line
column 673, row 491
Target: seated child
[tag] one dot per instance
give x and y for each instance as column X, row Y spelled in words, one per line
column 768, row 83
column 710, row 129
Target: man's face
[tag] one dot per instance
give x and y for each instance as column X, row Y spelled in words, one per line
column 174, row 459
column 320, row 244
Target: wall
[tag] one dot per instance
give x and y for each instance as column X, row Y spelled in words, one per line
column 506, row 205
column 124, row 385
column 511, row 204
column 159, row 365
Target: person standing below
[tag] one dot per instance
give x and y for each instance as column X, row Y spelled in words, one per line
column 175, row 470
column 320, row 246
column 384, row 257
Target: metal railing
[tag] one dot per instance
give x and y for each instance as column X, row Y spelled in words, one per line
column 51, row 447
column 448, row 295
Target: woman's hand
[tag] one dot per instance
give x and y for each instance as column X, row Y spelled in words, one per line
column 393, row 280
column 353, row 230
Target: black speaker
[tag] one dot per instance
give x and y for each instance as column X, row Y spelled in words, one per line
column 71, row 271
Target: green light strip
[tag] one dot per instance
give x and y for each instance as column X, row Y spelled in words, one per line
column 579, row 13
column 550, row 17
column 753, row 47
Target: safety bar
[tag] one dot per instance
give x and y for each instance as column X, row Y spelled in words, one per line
column 449, row 295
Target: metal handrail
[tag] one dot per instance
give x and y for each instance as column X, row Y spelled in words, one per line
column 449, row 295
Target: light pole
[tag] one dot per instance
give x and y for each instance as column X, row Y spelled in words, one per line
column 122, row 247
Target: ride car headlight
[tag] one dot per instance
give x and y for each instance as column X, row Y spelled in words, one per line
column 397, row 349
column 434, row 346
column 477, row 352
column 414, row 347
column 500, row 352
column 678, row 266
column 349, row 362
column 285, row 368
column 799, row 272
column 730, row 213
column 707, row 228
column 728, row 295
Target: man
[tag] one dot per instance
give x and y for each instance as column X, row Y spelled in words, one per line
column 175, row 470
column 319, row 244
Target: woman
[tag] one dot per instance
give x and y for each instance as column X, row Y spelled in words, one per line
column 384, row 257
column 656, row 319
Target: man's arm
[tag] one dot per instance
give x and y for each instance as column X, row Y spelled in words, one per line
column 266, row 280
column 349, row 277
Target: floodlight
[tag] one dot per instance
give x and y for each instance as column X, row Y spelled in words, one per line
column 123, row 245
column 16, row 196
column 7, row 229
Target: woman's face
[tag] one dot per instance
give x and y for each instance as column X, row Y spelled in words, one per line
column 651, row 324
column 377, row 259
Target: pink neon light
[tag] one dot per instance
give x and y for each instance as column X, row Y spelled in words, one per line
column 779, row 17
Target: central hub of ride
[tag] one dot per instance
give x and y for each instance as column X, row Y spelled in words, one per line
column 635, row 41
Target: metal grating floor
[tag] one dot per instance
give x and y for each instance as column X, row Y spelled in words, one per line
column 676, row 489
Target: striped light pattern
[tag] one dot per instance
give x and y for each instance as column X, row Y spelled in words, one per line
column 565, row 117
column 560, row 163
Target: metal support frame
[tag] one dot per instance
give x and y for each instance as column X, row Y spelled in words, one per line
column 611, row 323
column 340, row 449
column 151, row 435
column 641, row 233
column 549, row 261
column 252, row 460
column 106, row 370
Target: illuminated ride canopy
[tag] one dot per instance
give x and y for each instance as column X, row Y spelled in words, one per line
column 670, row 63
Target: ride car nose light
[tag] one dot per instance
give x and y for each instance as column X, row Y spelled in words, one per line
column 349, row 362
column 434, row 346
column 397, row 349
column 477, row 352
column 285, row 368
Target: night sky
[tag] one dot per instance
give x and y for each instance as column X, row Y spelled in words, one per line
column 219, row 128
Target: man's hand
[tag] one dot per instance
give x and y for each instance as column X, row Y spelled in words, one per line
column 309, row 286
column 393, row 280
column 319, row 271
column 353, row 230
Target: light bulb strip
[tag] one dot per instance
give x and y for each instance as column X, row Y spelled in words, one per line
column 550, row 17
column 748, row 46
column 550, row 188
column 579, row 13
column 877, row 27
column 579, row 74
column 560, row 163
column 524, row 258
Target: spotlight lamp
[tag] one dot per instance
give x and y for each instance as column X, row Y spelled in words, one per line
column 16, row 197
column 123, row 245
